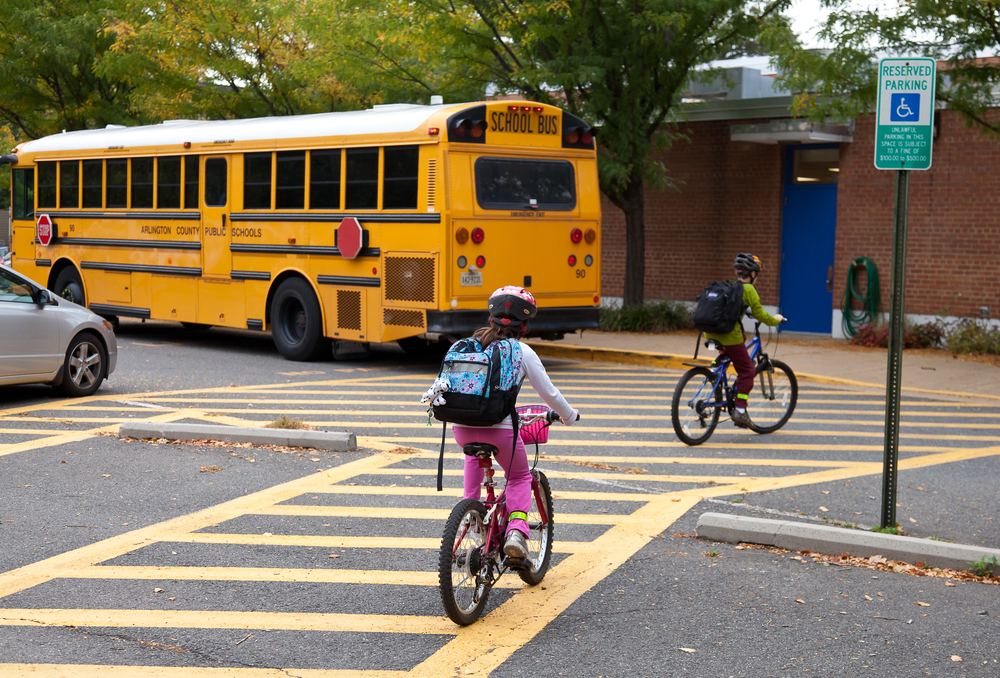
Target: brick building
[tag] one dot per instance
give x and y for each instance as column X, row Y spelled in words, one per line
column 809, row 201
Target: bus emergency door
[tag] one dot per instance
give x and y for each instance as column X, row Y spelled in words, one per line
column 216, row 259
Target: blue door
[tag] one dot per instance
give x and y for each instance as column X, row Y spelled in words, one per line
column 808, row 233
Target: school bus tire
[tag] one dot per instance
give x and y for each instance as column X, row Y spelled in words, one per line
column 297, row 321
column 69, row 286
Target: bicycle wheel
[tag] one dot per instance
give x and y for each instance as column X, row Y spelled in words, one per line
column 463, row 590
column 540, row 539
column 772, row 402
column 691, row 412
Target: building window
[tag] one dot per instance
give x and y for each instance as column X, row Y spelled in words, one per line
column 216, row 182
column 93, row 183
column 815, row 165
column 69, row 184
column 47, row 173
column 168, row 183
column 290, row 180
column 362, row 179
column 116, row 185
column 324, row 180
column 142, row 183
column 399, row 178
column 191, row 182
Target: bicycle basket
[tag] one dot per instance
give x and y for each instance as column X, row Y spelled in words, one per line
column 536, row 432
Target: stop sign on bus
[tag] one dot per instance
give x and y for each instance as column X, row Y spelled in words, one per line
column 44, row 230
column 349, row 238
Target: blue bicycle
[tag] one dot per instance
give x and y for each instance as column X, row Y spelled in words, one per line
column 704, row 392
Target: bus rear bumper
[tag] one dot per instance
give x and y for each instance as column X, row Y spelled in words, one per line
column 563, row 320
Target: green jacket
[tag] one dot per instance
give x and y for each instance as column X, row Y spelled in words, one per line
column 751, row 299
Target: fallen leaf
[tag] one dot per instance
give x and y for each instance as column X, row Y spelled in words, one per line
column 800, row 601
column 826, row 491
column 174, row 598
column 956, row 658
column 157, row 590
column 948, row 583
column 267, row 534
column 687, row 649
column 912, row 520
column 923, row 604
column 103, row 475
column 867, row 597
column 333, row 555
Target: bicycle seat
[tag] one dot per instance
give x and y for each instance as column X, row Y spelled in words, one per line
column 713, row 344
column 480, row 450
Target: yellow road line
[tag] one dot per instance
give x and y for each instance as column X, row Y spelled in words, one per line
column 399, row 543
column 457, row 492
column 571, row 475
column 403, row 513
column 229, row 619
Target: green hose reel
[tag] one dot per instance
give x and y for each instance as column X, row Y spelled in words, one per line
column 871, row 301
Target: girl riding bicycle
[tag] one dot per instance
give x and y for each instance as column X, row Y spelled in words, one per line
column 510, row 309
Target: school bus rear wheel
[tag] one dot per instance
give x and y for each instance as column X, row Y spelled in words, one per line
column 297, row 322
column 69, row 286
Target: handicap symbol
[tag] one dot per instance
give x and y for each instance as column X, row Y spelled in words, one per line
column 904, row 107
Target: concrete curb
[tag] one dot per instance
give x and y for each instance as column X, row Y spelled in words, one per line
column 319, row 440
column 833, row 541
column 674, row 361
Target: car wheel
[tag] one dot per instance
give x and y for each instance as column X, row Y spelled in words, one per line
column 86, row 366
column 69, row 286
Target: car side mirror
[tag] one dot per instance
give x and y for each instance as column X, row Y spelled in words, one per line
column 43, row 297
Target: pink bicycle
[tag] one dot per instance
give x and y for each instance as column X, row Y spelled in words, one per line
column 472, row 560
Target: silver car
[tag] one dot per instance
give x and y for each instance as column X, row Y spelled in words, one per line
column 47, row 340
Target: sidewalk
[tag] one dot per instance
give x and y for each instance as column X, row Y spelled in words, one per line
column 809, row 356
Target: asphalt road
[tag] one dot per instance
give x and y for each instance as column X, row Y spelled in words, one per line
column 136, row 558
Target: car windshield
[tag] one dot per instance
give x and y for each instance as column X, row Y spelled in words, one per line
column 14, row 289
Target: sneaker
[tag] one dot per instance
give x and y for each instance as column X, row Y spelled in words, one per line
column 742, row 419
column 516, row 546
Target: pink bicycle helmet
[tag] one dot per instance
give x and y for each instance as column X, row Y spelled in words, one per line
column 510, row 304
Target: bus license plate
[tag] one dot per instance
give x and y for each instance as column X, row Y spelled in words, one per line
column 472, row 279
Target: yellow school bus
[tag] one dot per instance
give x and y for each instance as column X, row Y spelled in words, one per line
column 389, row 224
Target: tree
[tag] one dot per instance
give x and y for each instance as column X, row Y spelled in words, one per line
column 47, row 67
column 622, row 66
column 842, row 82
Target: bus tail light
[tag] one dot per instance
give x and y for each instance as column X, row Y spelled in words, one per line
column 572, row 260
column 468, row 127
column 576, row 235
column 462, row 235
column 478, row 235
column 573, row 136
column 480, row 261
column 590, row 236
column 588, row 135
column 478, row 129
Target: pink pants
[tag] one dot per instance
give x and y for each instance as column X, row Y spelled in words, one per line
column 517, row 473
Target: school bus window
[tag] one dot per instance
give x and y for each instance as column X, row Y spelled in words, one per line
column 290, row 180
column 69, row 184
column 215, row 182
column 256, row 181
column 168, row 183
column 324, row 180
column 518, row 184
column 47, row 172
column 116, row 186
column 93, row 183
column 142, row 183
column 191, row 182
column 362, row 179
column 399, row 183
column 23, row 198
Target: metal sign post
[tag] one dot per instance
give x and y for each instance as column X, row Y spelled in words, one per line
column 903, row 142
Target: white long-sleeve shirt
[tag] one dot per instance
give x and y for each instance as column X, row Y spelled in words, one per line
column 532, row 368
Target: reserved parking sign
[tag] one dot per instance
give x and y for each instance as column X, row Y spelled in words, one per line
column 905, row 131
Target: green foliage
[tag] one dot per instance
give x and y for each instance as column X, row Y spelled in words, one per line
column 927, row 335
column 841, row 82
column 894, row 529
column 7, row 143
column 48, row 67
column 983, row 567
column 973, row 336
column 661, row 316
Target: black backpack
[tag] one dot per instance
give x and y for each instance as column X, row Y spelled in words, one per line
column 719, row 307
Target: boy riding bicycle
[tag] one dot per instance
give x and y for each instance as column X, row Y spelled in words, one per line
column 748, row 267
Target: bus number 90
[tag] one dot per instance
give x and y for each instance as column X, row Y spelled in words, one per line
column 581, row 273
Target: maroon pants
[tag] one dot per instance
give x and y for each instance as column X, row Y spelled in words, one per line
column 744, row 371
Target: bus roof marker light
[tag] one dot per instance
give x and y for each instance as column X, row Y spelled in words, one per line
column 576, row 235
column 462, row 235
column 187, row 144
column 433, row 131
column 478, row 235
column 513, row 108
column 526, row 109
column 537, row 109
